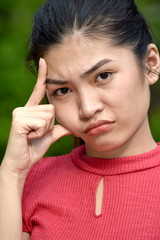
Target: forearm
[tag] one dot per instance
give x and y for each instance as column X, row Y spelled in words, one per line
column 11, row 188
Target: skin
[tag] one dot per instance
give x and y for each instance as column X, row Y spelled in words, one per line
column 32, row 133
column 121, row 96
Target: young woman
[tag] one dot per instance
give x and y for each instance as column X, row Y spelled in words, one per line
column 96, row 61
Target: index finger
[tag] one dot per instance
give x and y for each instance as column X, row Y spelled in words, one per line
column 40, row 87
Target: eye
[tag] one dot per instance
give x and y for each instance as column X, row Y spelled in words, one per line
column 104, row 76
column 62, row 91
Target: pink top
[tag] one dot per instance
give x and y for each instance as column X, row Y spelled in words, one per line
column 60, row 197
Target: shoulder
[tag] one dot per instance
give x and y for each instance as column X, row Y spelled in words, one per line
column 47, row 166
column 47, row 169
column 46, row 183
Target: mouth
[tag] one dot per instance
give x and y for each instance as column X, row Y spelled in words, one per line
column 98, row 127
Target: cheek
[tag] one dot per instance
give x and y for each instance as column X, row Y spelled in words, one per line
column 128, row 101
column 133, row 108
column 66, row 116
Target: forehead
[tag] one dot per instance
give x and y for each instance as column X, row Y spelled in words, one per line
column 77, row 54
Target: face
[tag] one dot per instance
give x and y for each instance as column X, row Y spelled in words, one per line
column 99, row 93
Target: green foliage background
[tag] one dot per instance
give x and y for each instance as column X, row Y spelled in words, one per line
column 16, row 82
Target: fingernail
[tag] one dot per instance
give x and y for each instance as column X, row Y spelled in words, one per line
column 40, row 62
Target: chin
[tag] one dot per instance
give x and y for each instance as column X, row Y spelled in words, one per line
column 102, row 146
column 106, row 144
column 105, row 148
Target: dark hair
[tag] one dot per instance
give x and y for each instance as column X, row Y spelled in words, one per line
column 118, row 20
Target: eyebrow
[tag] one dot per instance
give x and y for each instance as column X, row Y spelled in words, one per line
column 54, row 81
column 95, row 67
column 88, row 72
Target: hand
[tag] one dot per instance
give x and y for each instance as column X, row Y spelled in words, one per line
column 33, row 130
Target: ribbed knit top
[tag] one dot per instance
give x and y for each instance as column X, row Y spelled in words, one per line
column 116, row 166
column 59, row 198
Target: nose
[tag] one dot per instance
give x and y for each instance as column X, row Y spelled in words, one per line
column 89, row 104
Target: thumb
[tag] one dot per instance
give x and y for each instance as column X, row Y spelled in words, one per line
column 60, row 131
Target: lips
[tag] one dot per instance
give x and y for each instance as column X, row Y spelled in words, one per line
column 98, row 127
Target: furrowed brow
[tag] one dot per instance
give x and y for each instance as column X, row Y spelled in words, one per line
column 89, row 71
column 56, row 82
column 95, row 67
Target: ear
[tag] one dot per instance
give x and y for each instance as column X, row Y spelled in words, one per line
column 152, row 62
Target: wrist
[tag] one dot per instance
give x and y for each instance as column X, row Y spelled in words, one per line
column 12, row 178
